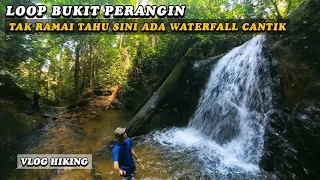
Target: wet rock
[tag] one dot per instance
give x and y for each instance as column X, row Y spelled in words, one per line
column 184, row 178
column 45, row 115
column 93, row 112
column 95, row 173
column 303, row 117
column 293, row 152
column 268, row 163
column 88, row 93
column 98, row 92
column 108, row 92
column 80, row 103
column 60, row 171
column 293, row 138
column 102, row 92
column 117, row 104
column 29, row 111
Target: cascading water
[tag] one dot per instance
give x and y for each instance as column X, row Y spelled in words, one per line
column 224, row 138
column 231, row 109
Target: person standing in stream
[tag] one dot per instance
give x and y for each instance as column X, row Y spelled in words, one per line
column 36, row 97
column 122, row 153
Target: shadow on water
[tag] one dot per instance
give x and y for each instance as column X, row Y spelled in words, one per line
column 20, row 144
column 26, row 132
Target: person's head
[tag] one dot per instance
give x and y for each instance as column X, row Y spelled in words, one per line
column 120, row 134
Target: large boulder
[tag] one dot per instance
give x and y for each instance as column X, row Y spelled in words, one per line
column 292, row 134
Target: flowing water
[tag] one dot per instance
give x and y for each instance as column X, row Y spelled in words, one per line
column 232, row 108
column 225, row 137
column 223, row 140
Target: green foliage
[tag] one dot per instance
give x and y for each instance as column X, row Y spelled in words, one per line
column 47, row 62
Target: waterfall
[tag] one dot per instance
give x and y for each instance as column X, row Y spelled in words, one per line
column 225, row 137
column 232, row 106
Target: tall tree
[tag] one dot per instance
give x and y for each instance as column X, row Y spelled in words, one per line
column 77, row 70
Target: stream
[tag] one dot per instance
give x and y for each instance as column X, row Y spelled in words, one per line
column 170, row 153
column 223, row 140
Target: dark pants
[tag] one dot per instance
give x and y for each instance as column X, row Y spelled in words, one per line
column 129, row 173
column 36, row 106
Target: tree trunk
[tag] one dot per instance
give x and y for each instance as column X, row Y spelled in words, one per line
column 288, row 7
column 47, row 86
column 39, row 72
column 60, row 81
column 154, row 41
column 120, row 42
column 277, row 10
column 84, row 71
column 138, row 124
column 189, row 43
column 76, row 72
column 91, row 67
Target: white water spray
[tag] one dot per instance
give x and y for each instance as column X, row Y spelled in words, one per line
column 227, row 128
column 231, row 109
